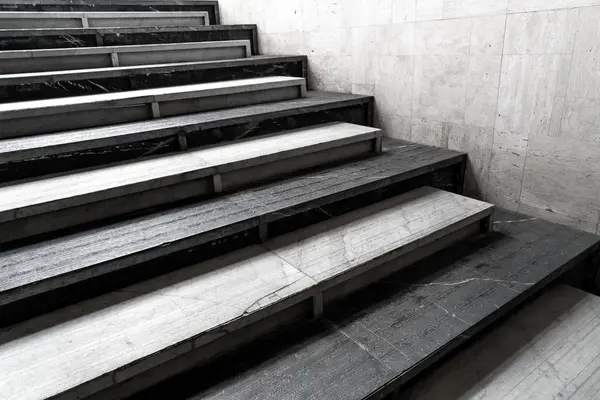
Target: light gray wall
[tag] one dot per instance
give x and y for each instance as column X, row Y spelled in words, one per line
column 515, row 83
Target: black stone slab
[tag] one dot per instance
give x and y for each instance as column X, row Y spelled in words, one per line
column 29, row 39
column 212, row 7
column 38, row 86
column 381, row 337
column 40, row 155
column 69, row 268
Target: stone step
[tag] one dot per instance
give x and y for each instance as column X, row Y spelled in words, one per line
column 54, row 115
column 92, row 19
column 211, row 7
column 54, row 84
column 100, row 343
column 34, row 156
column 373, row 344
column 29, row 39
column 45, row 205
column 83, row 58
column 44, row 267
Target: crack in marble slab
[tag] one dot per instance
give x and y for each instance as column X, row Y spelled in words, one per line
column 467, row 281
column 515, row 221
column 359, row 344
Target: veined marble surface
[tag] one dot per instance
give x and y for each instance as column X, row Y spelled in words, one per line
column 91, row 341
column 548, row 350
column 23, row 199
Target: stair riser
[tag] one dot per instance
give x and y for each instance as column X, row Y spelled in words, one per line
column 130, row 199
column 125, row 271
column 111, row 112
column 12, row 90
column 199, row 350
column 211, row 7
column 34, row 164
column 19, row 62
column 25, row 20
column 47, row 39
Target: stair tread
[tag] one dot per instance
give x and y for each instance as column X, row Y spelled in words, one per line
column 166, row 313
column 69, row 51
column 392, row 331
column 557, row 331
column 97, row 73
column 29, row 198
column 133, row 18
column 48, row 106
column 81, row 139
column 48, row 265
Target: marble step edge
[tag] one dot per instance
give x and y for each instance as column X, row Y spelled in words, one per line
column 26, row 109
column 107, row 2
column 35, row 117
column 86, row 19
column 418, row 318
column 48, row 265
column 127, row 71
column 81, row 51
column 280, row 274
column 10, row 33
column 39, row 206
column 211, row 6
column 25, row 61
column 43, row 145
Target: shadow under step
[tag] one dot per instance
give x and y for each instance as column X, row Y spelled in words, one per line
column 29, row 39
column 69, row 19
column 54, row 115
column 371, row 345
column 211, row 7
column 53, row 84
column 163, row 241
column 34, row 156
column 39, row 206
column 27, row 61
column 96, row 344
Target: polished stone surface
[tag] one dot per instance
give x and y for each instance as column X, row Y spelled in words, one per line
column 53, row 84
column 106, row 19
column 180, row 234
column 162, row 317
column 382, row 337
column 37, row 197
column 554, row 355
column 69, row 59
column 23, row 39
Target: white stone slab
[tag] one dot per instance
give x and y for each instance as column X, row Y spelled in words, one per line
column 85, row 348
column 44, row 19
column 400, row 224
column 23, row 61
column 31, row 198
column 53, row 115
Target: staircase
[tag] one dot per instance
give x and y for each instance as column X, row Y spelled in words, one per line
column 181, row 218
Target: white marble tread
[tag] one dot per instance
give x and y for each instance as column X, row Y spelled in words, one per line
column 107, row 339
column 145, row 96
column 550, row 349
column 100, row 14
column 63, row 191
column 72, row 51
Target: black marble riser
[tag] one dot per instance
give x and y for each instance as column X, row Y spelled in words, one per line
column 56, row 89
column 356, row 114
column 11, row 40
column 212, row 11
column 447, row 178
